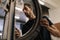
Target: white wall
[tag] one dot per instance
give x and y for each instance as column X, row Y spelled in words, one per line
column 55, row 15
column 54, row 11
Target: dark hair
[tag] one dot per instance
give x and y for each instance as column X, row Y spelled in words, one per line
column 27, row 4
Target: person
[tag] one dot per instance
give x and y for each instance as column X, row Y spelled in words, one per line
column 50, row 26
column 53, row 30
column 29, row 13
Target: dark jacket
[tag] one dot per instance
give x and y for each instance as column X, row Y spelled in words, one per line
column 27, row 26
column 44, row 34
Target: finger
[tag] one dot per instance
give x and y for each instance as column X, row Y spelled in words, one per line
column 44, row 24
column 44, row 21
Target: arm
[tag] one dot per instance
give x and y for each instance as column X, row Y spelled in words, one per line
column 54, row 31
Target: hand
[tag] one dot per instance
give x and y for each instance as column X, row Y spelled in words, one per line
column 44, row 22
column 17, row 33
column 53, row 30
column 29, row 13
